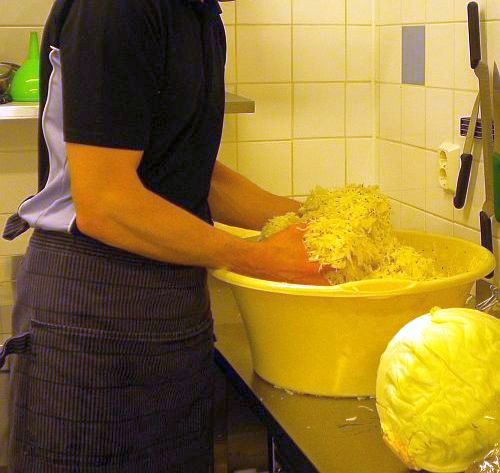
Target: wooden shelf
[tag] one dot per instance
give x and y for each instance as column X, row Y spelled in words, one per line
column 29, row 111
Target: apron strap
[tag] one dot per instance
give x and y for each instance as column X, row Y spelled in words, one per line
column 18, row 345
column 14, row 227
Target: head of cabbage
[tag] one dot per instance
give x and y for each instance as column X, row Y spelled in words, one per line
column 438, row 390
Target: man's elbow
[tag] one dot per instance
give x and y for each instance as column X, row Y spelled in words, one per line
column 95, row 217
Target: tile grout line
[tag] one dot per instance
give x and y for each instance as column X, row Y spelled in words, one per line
column 306, row 138
column 236, row 120
column 346, row 163
column 292, row 99
column 376, row 92
column 425, row 113
column 401, row 79
column 367, row 81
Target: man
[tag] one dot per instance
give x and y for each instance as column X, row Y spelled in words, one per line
column 115, row 374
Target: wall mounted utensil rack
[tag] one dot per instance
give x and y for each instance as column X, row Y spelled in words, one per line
column 478, row 134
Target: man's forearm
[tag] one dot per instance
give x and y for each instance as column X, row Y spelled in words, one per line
column 143, row 223
column 113, row 206
column 234, row 200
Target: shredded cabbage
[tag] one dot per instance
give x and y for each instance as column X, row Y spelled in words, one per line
column 279, row 223
column 350, row 231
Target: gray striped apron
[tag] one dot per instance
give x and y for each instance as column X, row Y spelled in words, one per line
column 114, row 372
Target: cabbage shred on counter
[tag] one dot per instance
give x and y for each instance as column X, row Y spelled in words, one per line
column 350, row 231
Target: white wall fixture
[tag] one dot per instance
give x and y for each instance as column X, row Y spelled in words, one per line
column 449, row 163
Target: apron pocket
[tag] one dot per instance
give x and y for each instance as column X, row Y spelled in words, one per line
column 96, row 398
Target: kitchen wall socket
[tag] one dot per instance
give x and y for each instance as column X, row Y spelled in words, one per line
column 449, row 163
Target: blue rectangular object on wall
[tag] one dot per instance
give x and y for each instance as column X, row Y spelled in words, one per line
column 414, row 55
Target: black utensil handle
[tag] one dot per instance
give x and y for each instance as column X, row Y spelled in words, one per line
column 463, row 181
column 486, row 234
column 474, row 34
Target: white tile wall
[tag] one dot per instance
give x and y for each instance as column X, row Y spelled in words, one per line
column 464, row 76
column 493, row 10
column 230, row 76
column 309, row 65
column 360, row 53
column 264, row 12
column 388, row 12
column 438, row 225
column 438, row 117
column 461, row 9
column 413, row 11
column 32, row 13
column 359, row 112
column 229, row 12
column 390, row 168
column 318, row 162
column 439, row 11
column 264, row 53
column 360, row 12
column 319, row 53
column 439, row 43
column 273, row 117
column 17, row 178
column 412, row 219
column 413, row 176
column 319, row 110
column 274, row 157
column 413, row 115
column 390, row 112
column 319, row 12
column 228, row 155
column 390, row 54
column 414, row 121
column 361, row 167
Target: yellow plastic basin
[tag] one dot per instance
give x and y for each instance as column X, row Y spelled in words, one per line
column 328, row 340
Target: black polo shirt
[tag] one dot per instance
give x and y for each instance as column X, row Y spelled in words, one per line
column 131, row 74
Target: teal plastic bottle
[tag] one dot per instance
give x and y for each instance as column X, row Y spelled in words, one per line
column 25, row 86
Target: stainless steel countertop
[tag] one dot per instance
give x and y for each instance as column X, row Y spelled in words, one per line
column 336, row 435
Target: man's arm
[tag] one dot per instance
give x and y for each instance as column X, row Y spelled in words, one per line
column 234, row 200
column 114, row 207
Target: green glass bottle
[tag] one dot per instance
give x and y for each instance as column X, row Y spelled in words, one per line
column 25, row 86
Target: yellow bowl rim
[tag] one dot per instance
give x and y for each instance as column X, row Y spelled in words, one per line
column 355, row 289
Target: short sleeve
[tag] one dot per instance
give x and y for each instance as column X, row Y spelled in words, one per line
column 112, row 56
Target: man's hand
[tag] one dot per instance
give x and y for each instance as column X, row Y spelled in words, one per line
column 284, row 258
